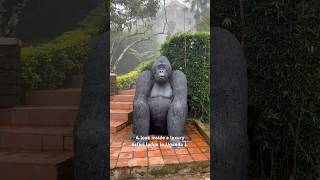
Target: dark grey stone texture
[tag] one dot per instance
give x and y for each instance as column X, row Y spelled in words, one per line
column 160, row 103
column 91, row 131
column 229, row 108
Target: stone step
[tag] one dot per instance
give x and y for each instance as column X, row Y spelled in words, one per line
column 54, row 97
column 121, row 105
column 34, row 138
column 39, row 115
column 127, row 92
column 36, row 165
column 122, row 98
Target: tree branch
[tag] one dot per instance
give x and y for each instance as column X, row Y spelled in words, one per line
column 114, row 63
column 130, row 46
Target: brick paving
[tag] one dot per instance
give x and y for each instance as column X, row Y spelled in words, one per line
column 124, row 154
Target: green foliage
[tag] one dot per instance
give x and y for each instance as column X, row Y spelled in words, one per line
column 190, row 53
column 282, row 49
column 47, row 65
column 126, row 81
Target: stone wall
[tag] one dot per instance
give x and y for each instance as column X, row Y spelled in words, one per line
column 10, row 90
column 113, row 85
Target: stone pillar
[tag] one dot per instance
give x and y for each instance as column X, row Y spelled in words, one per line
column 113, row 85
column 10, row 89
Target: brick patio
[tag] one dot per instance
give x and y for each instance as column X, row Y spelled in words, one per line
column 123, row 154
column 128, row 161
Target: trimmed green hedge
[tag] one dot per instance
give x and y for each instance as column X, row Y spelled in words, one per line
column 194, row 61
column 127, row 80
column 47, row 65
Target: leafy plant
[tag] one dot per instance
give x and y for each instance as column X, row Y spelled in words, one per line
column 47, row 65
column 190, row 53
column 126, row 81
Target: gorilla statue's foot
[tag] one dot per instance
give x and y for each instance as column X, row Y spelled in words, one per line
column 138, row 140
column 175, row 143
column 132, row 137
column 141, row 141
column 187, row 138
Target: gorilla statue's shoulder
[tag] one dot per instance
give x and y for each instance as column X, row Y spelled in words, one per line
column 145, row 76
column 178, row 77
column 178, row 73
column 145, row 73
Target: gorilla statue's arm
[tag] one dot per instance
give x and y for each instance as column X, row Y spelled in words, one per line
column 141, row 114
column 178, row 110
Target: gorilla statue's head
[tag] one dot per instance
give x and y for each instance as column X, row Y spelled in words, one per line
column 161, row 69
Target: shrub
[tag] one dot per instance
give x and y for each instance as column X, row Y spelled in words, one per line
column 190, row 53
column 126, row 81
column 47, row 65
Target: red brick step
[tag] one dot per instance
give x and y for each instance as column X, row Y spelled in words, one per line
column 121, row 115
column 120, row 119
column 54, row 97
column 121, row 106
column 118, row 125
column 122, row 98
column 36, row 138
column 127, row 92
column 36, row 165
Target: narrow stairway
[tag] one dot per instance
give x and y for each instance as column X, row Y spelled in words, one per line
column 121, row 110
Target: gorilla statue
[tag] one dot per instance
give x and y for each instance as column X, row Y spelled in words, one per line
column 160, row 103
